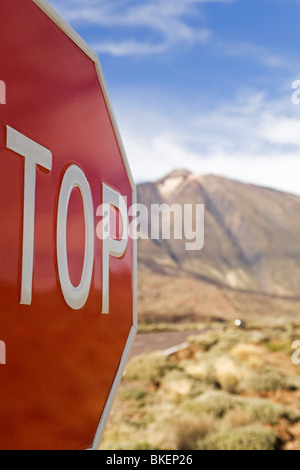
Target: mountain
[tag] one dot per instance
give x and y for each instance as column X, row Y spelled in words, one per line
column 251, row 243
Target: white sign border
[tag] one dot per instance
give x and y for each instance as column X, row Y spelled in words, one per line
column 48, row 9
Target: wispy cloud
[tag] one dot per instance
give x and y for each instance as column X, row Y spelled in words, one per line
column 147, row 27
column 252, row 52
column 135, row 47
column 253, row 140
column 167, row 22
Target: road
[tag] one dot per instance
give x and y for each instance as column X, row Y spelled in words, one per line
column 160, row 341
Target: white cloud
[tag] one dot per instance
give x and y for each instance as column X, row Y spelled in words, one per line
column 130, row 47
column 168, row 23
column 254, row 52
column 135, row 47
column 252, row 140
column 281, row 130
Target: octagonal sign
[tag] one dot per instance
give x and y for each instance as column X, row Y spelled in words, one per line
column 67, row 263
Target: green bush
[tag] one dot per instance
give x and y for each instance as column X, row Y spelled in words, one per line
column 188, row 430
column 213, row 402
column 227, row 340
column 263, row 380
column 148, row 367
column 293, row 383
column 218, row 403
column 133, row 393
column 266, row 411
column 205, row 341
column 247, row 438
column 278, row 346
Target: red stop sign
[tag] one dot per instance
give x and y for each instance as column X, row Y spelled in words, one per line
column 67, row 294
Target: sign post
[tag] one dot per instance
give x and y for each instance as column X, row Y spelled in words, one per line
column 67, row 289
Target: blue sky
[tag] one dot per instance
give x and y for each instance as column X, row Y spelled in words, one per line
column 200, row 84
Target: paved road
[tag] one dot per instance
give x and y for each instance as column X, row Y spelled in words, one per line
column 159, row 341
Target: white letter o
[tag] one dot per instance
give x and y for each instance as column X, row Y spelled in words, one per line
column 75, row 297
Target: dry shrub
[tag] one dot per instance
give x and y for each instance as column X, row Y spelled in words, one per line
column 293, row 383
column 185, row 431
column 176, row 384
column 247, row 438
column 148, row 367
column 205, row 341
column 228, row 375
column 197, row 370
column 268, row 412
column 213, row 402
column 279, row 345
column 237, row 418
column 219, row 403
column 133, row 393
column 265, row 379
column 249, row 353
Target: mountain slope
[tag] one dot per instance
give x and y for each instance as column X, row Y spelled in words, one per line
column 252, row 235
